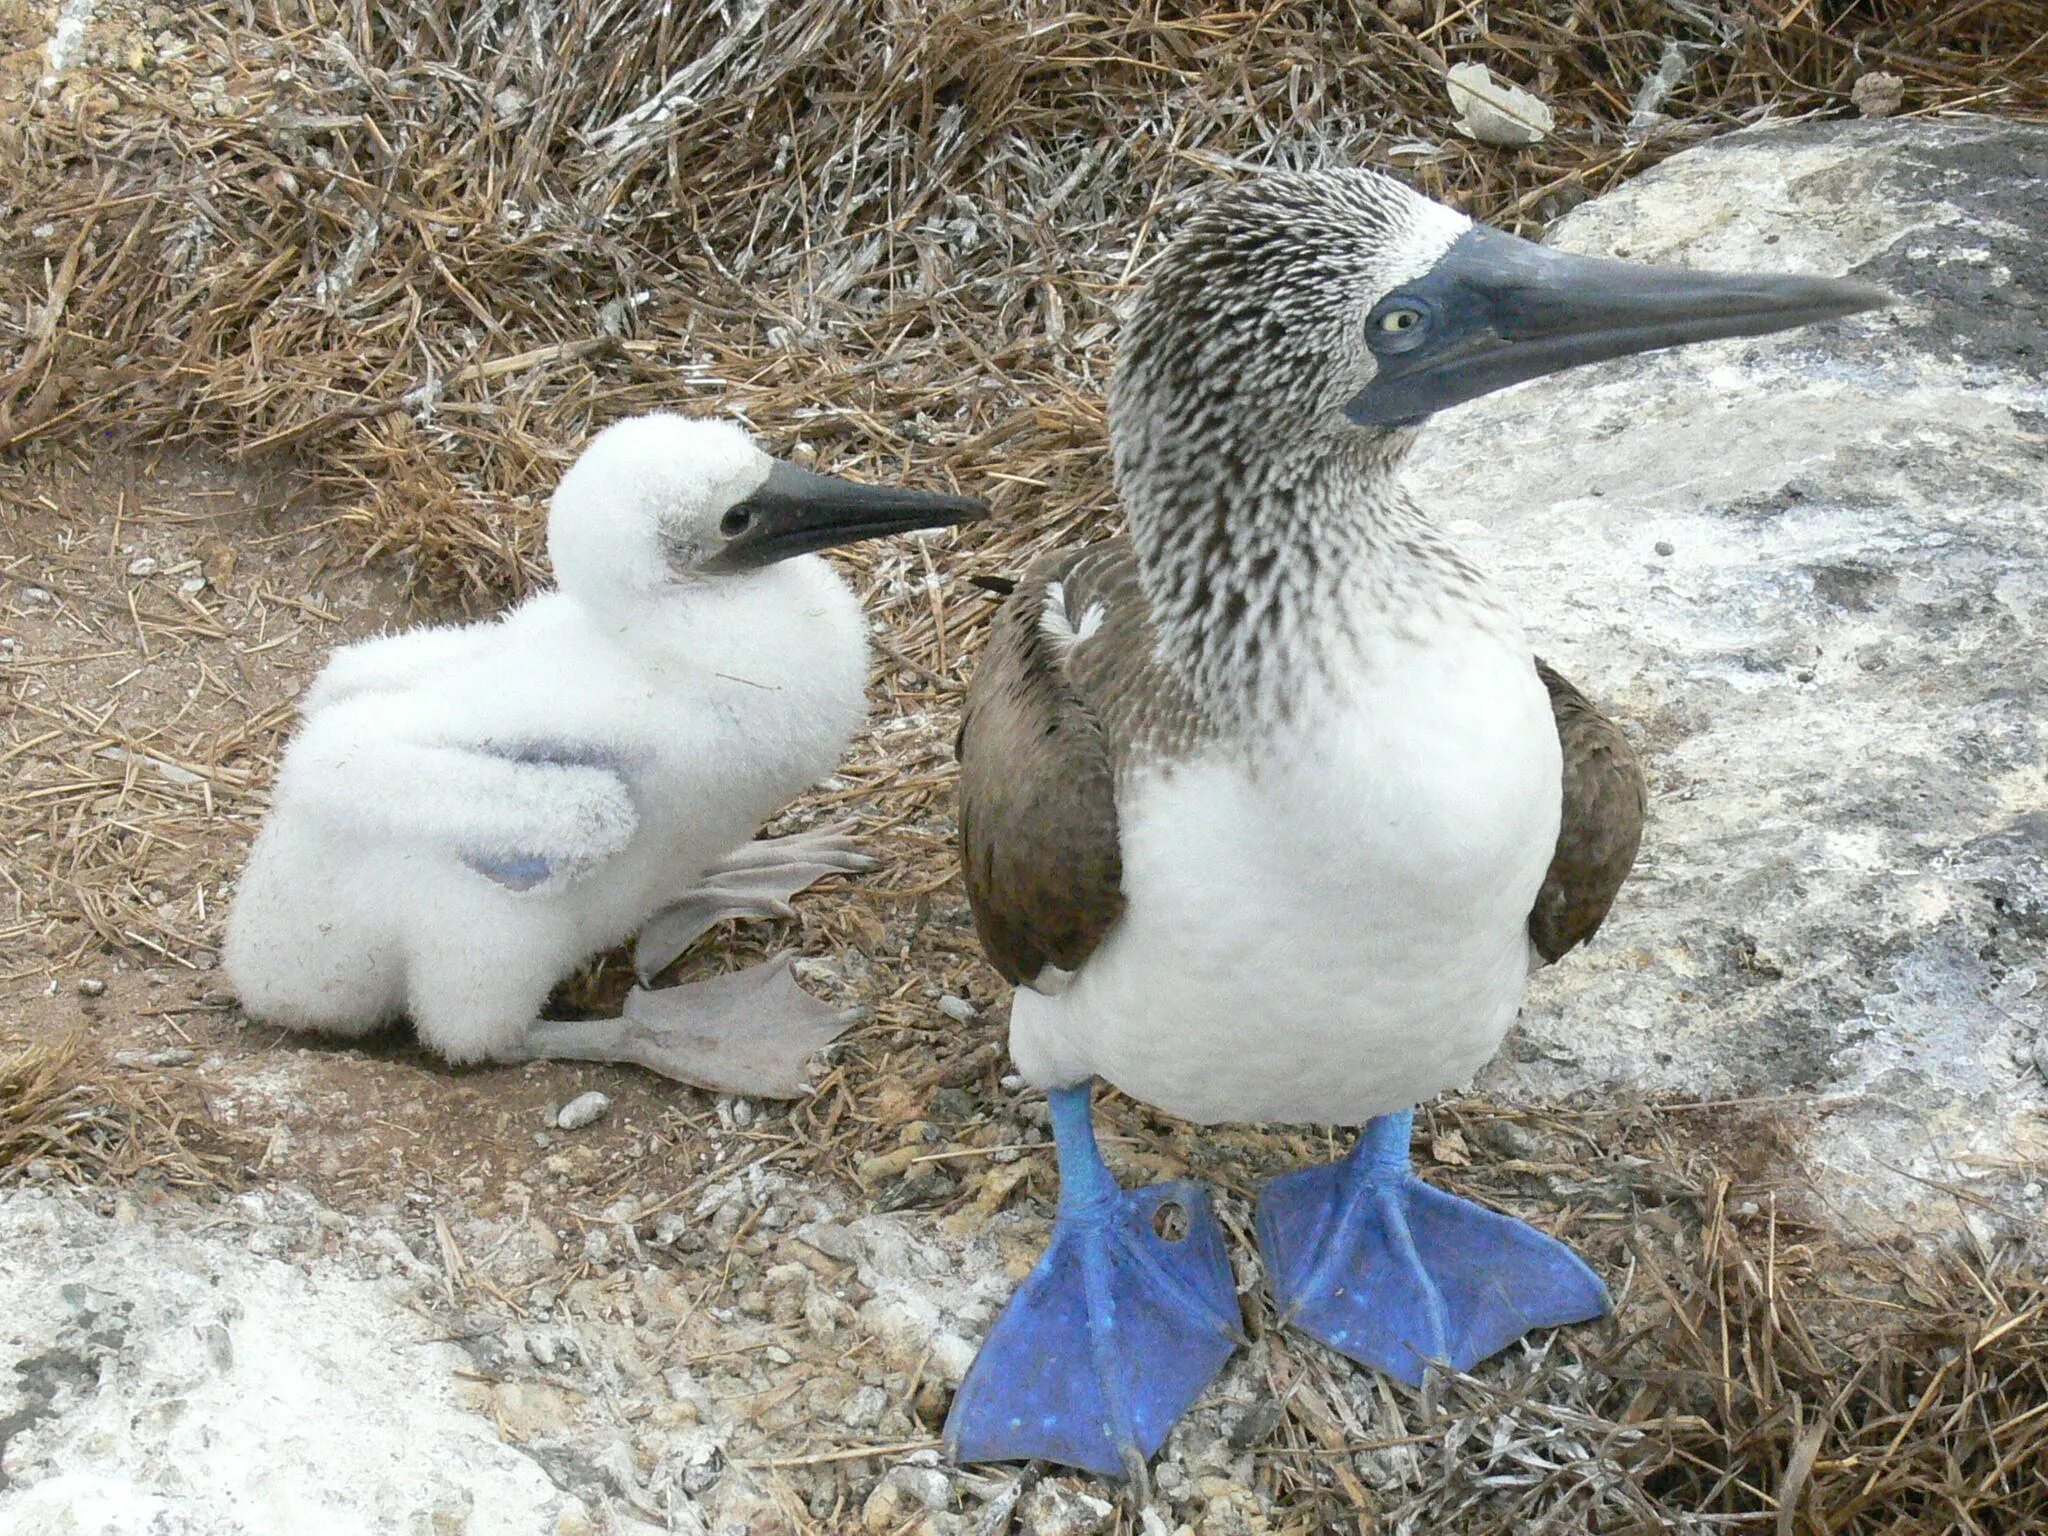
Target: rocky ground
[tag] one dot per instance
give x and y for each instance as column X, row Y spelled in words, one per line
column 1813, row 571
column 1808, row 571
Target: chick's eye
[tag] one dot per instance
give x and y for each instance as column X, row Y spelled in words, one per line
column 735, row 522
column 1397, row 320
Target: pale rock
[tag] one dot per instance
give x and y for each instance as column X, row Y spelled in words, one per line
column 863, row 1409
column 203, row 1380
column 1051, row 1510
column 925, row 1488
column 584, row 1109
column 1843, row 889
column 1878, row 94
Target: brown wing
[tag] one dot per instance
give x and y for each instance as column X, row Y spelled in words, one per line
column 1038, row 829
column 1605, row 802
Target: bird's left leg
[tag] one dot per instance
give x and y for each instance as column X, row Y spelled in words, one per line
column 752, row 1032
column 756, row 879
column 1116, row 1332
column 1394, row 1273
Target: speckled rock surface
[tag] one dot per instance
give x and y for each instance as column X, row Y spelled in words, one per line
column 185, row 1380
column 1810, row 572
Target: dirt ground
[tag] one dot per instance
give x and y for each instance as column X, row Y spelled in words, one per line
column 704, row 1314
column 820, row 1269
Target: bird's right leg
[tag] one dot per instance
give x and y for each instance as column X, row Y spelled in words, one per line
column 1130, row 1314
column 752, row 1032
column 756, row 879
column 1395, row 1273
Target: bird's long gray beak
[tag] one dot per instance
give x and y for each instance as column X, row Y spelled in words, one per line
column 795, row 512
column 1497, row 310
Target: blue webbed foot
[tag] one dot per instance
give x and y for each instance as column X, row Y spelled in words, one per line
column 1394, row 1273
column 1107, row 1342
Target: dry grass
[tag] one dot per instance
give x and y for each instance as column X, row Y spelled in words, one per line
column 1761, row 1377
column 425, row 247
column 68, row 1114
column 414, row 252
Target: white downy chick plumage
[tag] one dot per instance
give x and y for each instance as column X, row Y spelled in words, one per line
column 467, row 813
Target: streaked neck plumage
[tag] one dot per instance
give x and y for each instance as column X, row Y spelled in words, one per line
column 1271, row 564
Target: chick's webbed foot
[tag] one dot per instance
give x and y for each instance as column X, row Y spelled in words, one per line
column 756, row 879
column 752, row 1032
column 1125, row 1320
column 1394, row 1273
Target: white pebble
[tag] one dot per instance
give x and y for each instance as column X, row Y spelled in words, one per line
column 957, row 1008
column 142, row 565
column 584, row 1109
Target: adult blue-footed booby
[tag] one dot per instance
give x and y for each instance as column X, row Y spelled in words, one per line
column 1268, row 810
column 467, row 813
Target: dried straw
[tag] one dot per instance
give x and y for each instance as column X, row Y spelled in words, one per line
column 69, row 1115
column 414, row 252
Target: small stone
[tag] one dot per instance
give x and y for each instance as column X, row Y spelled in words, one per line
column 192, row 586
column 888, row 1165
column 36, row 597
column 142, row 565
column 957, row 1008
column 1666, row 548
column 883, row 1509
column 1259, row 1421
column 926, row 1486
column 831, row 1239
column 91, row 986
column 864, row 1409
column 1053, row 1511
column 584, row 1109
column 169, row 1056
column 1878, row 94
column 669, row 1226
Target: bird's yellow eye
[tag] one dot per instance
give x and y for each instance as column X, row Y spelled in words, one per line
column 1400, row 320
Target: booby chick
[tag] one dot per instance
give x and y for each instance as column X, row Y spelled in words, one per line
column 1268, row 811
column 468, row 813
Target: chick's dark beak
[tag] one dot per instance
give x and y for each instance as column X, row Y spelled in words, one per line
column 1496, row 310
column 795, row 512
